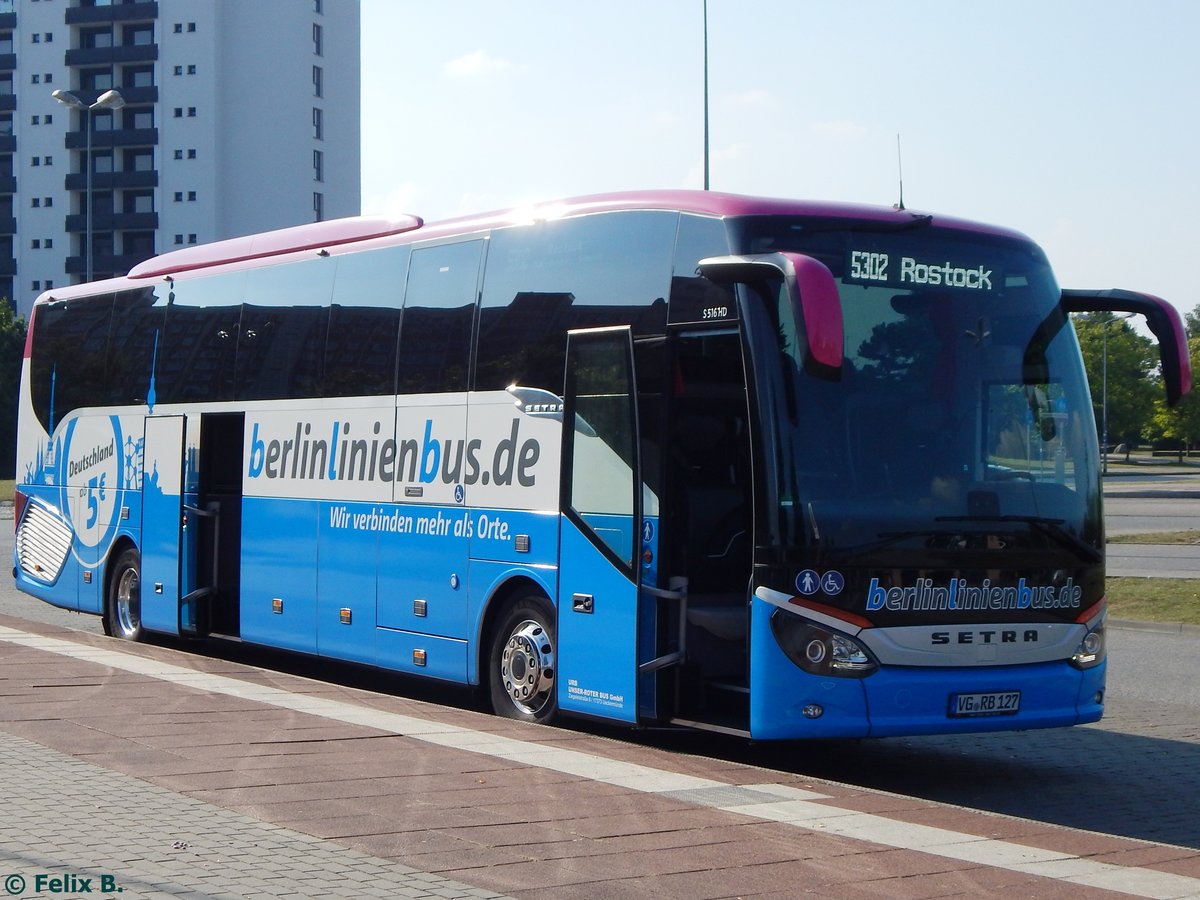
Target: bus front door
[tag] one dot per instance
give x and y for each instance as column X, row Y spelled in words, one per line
column 600, row 537
column 163, row 540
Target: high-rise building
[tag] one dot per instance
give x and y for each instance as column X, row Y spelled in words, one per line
column 230, row 117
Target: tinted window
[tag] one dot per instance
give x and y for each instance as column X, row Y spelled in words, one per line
column 138, row 319
column 364, row 321
column 70, row 352
column 281, row 342
column 439, row 306
column 694, row 298
column 197, row 356
column 543, row 280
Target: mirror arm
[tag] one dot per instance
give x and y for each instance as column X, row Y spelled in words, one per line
column 1163, row 321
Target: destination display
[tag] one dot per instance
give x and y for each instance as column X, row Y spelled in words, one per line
column 913, row 270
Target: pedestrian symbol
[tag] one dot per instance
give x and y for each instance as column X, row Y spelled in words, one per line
column 808, row 582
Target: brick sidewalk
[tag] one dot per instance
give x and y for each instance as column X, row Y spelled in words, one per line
column 279, row 773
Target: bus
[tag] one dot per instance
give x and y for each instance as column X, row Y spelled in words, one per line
column 773, row 468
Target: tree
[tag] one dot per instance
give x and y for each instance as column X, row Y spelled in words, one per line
column 1183, row 422
column 1132, row 380
column 12, row 352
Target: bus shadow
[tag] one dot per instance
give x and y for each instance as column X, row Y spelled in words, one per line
column 1087, row 777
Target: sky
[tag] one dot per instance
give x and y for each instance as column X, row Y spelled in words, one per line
column 1076, row 122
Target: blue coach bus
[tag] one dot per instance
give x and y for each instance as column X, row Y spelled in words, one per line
column 780, row 469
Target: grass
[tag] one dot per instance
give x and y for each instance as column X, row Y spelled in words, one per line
column 1158, row 537
column 1155, row 599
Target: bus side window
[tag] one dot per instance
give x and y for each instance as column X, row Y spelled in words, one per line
column 439, row 308
column 364, row 323
column 546, row 279
column 285, row 313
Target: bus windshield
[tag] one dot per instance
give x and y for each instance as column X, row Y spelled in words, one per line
column 961, row 422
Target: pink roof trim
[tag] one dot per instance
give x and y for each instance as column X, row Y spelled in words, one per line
column 274, row 243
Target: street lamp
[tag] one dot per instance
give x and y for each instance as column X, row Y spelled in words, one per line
column 1104, row 392
column 107, row 100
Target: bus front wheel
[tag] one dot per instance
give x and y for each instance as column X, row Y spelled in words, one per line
column 123, row 606
column 521, row 672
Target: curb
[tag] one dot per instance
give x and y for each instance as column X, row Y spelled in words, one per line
column 1156, row 627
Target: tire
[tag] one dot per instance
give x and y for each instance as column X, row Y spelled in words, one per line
column 521, row 667
column 123, row 605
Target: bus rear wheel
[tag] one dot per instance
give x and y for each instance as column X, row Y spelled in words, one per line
column 123, row 605
column 521, row 668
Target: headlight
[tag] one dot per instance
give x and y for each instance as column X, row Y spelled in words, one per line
column 820, row 651
column 1091, row 650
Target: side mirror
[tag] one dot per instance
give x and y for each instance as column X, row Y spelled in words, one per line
column 1163, row 321
column 812, row 293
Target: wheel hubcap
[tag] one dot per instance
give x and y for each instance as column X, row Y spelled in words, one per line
column 527, row 667
column 129, row 602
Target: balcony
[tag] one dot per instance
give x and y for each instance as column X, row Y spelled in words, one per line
column 8, row 225
column 8, row 102
column 99, row 56
column 77, row 181
column 8, row 62
column 136, row 95
column 117, row 137
column 77, row 265
column 8, row 143
column 8, row 184
column 8, row 21
column 112, row 222
column 119, row 12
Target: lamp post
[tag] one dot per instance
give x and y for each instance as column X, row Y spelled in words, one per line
column 108, row 100
column 1104, row 393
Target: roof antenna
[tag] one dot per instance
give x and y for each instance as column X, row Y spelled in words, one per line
column 900, row 169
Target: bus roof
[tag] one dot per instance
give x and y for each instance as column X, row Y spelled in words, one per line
column 342, row 233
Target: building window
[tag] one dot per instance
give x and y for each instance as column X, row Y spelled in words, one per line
column 37, row 79
column 37, row 285
column 47, row 202
column 318, row 166
column 179, row 239
column 191, row 112
column 318, row 82
column 138, row 201
column 49, row 284
column 179, row 196
column 318, row 124
column 35, row 202
column 6, row 84
column 191, row 70
column 191, row 27
column 35, row 244
column 191, row 238
column 36, row 120
column 95, row 38
column 141, row 117
column 318, row 6
column 191, row 196
column 138, row 35
column 36, row 161
column 96, row 80
column 318, row 40
column 179, row 154
column 137, row 76
column 49, row 79
column 139, row 160
column 37, row 38
column 191, row 154
column 48, row 37
column 178, row 112
column 48, row 243
column 318, row 206
column 179, row 28
column 179, row 70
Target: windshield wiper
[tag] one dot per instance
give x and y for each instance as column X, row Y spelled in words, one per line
column 1052, row 528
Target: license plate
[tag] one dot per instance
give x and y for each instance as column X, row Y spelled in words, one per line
column 994, row 703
